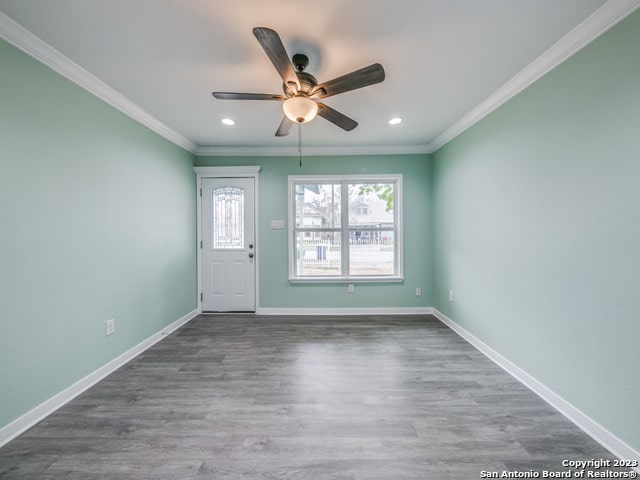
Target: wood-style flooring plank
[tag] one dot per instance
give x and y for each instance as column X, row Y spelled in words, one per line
column 318, row 397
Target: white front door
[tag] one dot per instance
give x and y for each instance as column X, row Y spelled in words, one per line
column 228, row 249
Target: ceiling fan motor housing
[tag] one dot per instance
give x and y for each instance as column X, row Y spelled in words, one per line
column 300, row 61
column 307, row 81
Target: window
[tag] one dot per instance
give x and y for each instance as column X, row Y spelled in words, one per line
column 345, row 228
column 362, row 210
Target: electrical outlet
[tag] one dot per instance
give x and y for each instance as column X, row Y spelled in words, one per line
column 418, row 292
column 350, row 288
column 111, row 326
column 451, row 295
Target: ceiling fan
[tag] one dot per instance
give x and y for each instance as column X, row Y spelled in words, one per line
column 301, row 90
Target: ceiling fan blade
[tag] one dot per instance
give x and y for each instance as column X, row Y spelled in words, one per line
column 351, row 81
column 336, row 117
column 246, row 96
column 274, row 49
column 284, row 128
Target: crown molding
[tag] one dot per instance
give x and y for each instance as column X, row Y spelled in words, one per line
column 18, row 36
column 591, row 28
column 292, row 151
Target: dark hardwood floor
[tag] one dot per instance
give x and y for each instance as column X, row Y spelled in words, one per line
column 247, row 397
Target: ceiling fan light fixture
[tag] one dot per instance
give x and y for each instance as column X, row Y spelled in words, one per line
column 300, row 88
column 300, row 109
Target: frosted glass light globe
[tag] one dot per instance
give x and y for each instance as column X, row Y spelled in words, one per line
column 300, row 109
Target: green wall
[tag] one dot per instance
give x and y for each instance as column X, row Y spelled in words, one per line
column 97, row 215
column 275, row 289
column 530, row 217
column 537, row 230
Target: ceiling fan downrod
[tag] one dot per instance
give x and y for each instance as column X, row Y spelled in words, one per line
column 300, row 143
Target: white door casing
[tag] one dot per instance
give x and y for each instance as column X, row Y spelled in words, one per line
column 228, row 254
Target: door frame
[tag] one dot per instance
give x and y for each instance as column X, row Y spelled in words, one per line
column 249, row 171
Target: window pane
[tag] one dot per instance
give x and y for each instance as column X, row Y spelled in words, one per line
column 318, row 254
column 371, row 205
column 318, row 205
column 360, row 214
column 371, row 252
column 228, row 218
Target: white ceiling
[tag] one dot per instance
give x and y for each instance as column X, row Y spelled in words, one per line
column 442, row 58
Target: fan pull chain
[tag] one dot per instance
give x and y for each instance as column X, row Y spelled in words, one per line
column 300, row 143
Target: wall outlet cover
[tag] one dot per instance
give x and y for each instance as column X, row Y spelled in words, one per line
column 111, row 326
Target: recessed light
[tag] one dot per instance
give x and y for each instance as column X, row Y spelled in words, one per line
column 395, row 120
column 228, row 121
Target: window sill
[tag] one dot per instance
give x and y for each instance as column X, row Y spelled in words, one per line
column 363, row 279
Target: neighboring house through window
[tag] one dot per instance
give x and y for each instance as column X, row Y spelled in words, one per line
column 362, row 209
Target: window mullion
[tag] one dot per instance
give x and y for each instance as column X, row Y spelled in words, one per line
column 397, row 235
column 344, row 225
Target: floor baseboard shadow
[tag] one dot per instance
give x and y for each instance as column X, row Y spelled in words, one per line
column 46, row 408
column 601, row 435
column 578, row 418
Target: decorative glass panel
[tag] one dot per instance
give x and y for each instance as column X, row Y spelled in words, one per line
column 228, row 218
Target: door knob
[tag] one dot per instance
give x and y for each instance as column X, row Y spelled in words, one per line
column 251, row 255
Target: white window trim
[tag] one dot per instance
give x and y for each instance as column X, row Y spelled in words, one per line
column 397, row 213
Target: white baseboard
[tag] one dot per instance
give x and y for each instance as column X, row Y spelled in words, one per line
column 347, row 311
column 29, row 419
column 582, row 421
